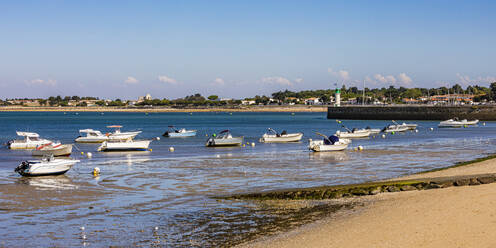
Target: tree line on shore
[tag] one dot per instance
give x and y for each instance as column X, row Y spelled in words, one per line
column 390, row 94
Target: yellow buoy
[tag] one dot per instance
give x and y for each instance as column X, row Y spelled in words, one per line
column 150, row 149
column 96, row 171
column 82, row 153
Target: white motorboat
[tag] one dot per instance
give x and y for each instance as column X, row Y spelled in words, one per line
column 30, row 141
column 373, row 130
column 118, row 135
column 395, row 128
column 92, row 136
column 274, row 137
column 127, row 145
column 455, row 123
column 354, row 133
column 46, row 166
column 410, row 126
column 467, row 122
column 333, row 143
column 53, row 150
column 225, row 139
column 173, row 132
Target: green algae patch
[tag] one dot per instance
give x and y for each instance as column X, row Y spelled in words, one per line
column 460, row 164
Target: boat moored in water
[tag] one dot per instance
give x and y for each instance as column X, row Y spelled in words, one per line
column 456, row 123
column 274, row 137
column 328, row 144
column 118, row 135
column 173, row 132
column 30, row 141
column 354, row 133
column 127, row 145
column 92, row 136
column 45, row 167
column 225, row 139
column 52, row 149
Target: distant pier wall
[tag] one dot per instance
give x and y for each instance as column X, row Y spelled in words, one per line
column 486, row 113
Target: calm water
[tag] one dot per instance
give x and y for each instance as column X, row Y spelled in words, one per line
column 172, row 191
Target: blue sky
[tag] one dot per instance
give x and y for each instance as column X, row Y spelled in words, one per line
column 237, row 49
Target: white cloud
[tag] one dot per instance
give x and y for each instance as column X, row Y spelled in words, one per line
column 38, row 81
column 218, row 81
column 277, row 80
column 405, row 79
column 380, row 78
column 167, row 80
column 466, row 80
column 344, row 75
column 298, row 80
column 131, row 80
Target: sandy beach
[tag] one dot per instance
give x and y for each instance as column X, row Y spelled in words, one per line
column 166, row 110
column 450, row 217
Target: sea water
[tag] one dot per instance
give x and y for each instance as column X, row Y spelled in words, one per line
column 166, row 198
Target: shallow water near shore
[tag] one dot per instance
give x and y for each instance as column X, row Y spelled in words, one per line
column 139, row 191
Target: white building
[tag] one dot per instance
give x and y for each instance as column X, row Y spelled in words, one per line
column 312, row 101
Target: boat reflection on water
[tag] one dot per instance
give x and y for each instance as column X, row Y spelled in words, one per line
column 337, row 156
column 61, row 182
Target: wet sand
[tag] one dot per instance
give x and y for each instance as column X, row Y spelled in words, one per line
column 451, row 217
column 168, row 110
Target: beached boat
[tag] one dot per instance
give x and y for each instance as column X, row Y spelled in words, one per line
column 395, row 128
column 354, row 133
column 274, row 137
column 44, row 167
column 30, row 141
column 52, row 149
column 127, row 145
column 225, row 139
column 452, row 123
column 92, row 136
column 118, row 135
column 173, row 132
column 328, row 144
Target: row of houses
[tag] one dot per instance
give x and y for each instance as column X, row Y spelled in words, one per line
column 441, row 99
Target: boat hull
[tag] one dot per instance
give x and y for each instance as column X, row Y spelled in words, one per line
column 41, row 168
column 63, row 150
column 272, row 138
column 234, row 141
column 179, row 135
column 91, row 139
column 319, row 146
column 141, row 145
column 351, row 135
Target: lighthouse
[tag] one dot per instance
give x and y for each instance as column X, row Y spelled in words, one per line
column 338, row 98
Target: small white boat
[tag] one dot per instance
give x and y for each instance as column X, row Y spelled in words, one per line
column 274, row 137
column 373, row 130
column 354, row 133
column 410, row 126
column 46, row 166
column 395, row 128
column 455, row 123
column 333, row 143
column 474, row 122
column 51, row 149
column 30, row 141
column 92, row 136
column 118, row 135
column 173, row 132
column 127, row 145
column 225, row 139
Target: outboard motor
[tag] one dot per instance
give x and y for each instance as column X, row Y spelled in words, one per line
column 23, row 166
column 284, row 132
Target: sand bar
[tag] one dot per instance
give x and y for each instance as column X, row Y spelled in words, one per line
column 462, row 216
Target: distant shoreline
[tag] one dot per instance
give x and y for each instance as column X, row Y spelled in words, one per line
column 282, row 109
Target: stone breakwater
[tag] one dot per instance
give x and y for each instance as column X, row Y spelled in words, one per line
column 485, row 113
column 373, row 188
